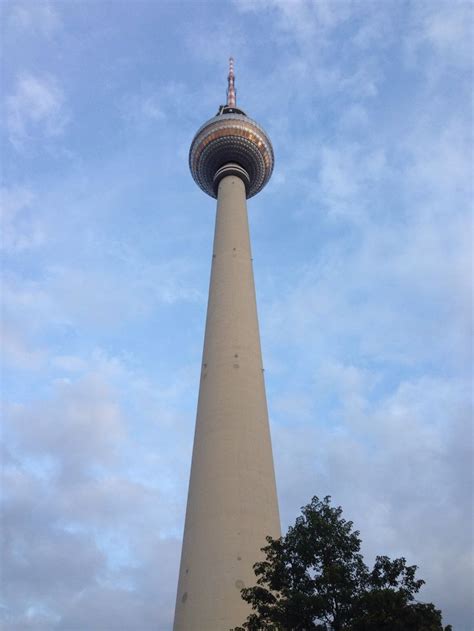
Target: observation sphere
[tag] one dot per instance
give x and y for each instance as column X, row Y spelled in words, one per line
column 231, row 138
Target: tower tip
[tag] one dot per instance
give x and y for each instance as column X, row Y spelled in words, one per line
column 231, row 93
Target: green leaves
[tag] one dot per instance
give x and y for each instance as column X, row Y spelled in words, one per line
column 314, row 578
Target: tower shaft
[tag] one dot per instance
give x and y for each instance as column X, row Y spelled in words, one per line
column 232, row 503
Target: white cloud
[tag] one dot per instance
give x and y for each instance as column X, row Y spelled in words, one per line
column 39, row 17
column 86, row 506
column 305, row 19
column 21, row 230
column 83, row 425
column 439, row 161
column 370, row 298
column 16, row 349
column 70, row 363
column 395, row 465
column 443, row 28
column 355, row 117
column 153, row 104
column 107, row 299
column 345, row 173
column 73, row 299
column 365, row 302
column 25, row 309
column 225, row 41
column 35, row 110
column 143, row 109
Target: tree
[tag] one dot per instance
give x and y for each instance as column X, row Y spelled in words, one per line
column 315, row 578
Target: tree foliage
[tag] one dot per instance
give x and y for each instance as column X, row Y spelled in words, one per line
column 315, row 578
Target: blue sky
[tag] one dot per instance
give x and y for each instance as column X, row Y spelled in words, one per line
column 362, row 258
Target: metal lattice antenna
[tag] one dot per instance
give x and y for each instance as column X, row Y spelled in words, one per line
column 231, row 94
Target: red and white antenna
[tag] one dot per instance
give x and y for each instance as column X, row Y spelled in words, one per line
column 231, row 94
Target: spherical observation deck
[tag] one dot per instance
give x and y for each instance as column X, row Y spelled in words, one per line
column 231, row 137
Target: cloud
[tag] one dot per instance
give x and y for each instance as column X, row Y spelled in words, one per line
column 143, row 109
column 70, row 299
column 369, row 297
column 35, row 110
column 154, row 103
column 86, row 509
column 363, row 277
column 25, row 309
column 345, row 174
column 410, row 455
column 16, row 349
column 225, row 40
column 303, row 18
column 442, row 28
column 40, row 17
column 108, row 300
column 20, row 229
column 82, row 425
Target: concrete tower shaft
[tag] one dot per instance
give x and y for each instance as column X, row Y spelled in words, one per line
column 232, row 502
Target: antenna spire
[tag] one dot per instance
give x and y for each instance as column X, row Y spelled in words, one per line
column 231, row 94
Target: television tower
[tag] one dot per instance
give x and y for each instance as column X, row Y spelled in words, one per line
column 232, row 502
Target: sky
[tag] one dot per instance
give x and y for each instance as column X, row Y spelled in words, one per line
column 362, row 258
